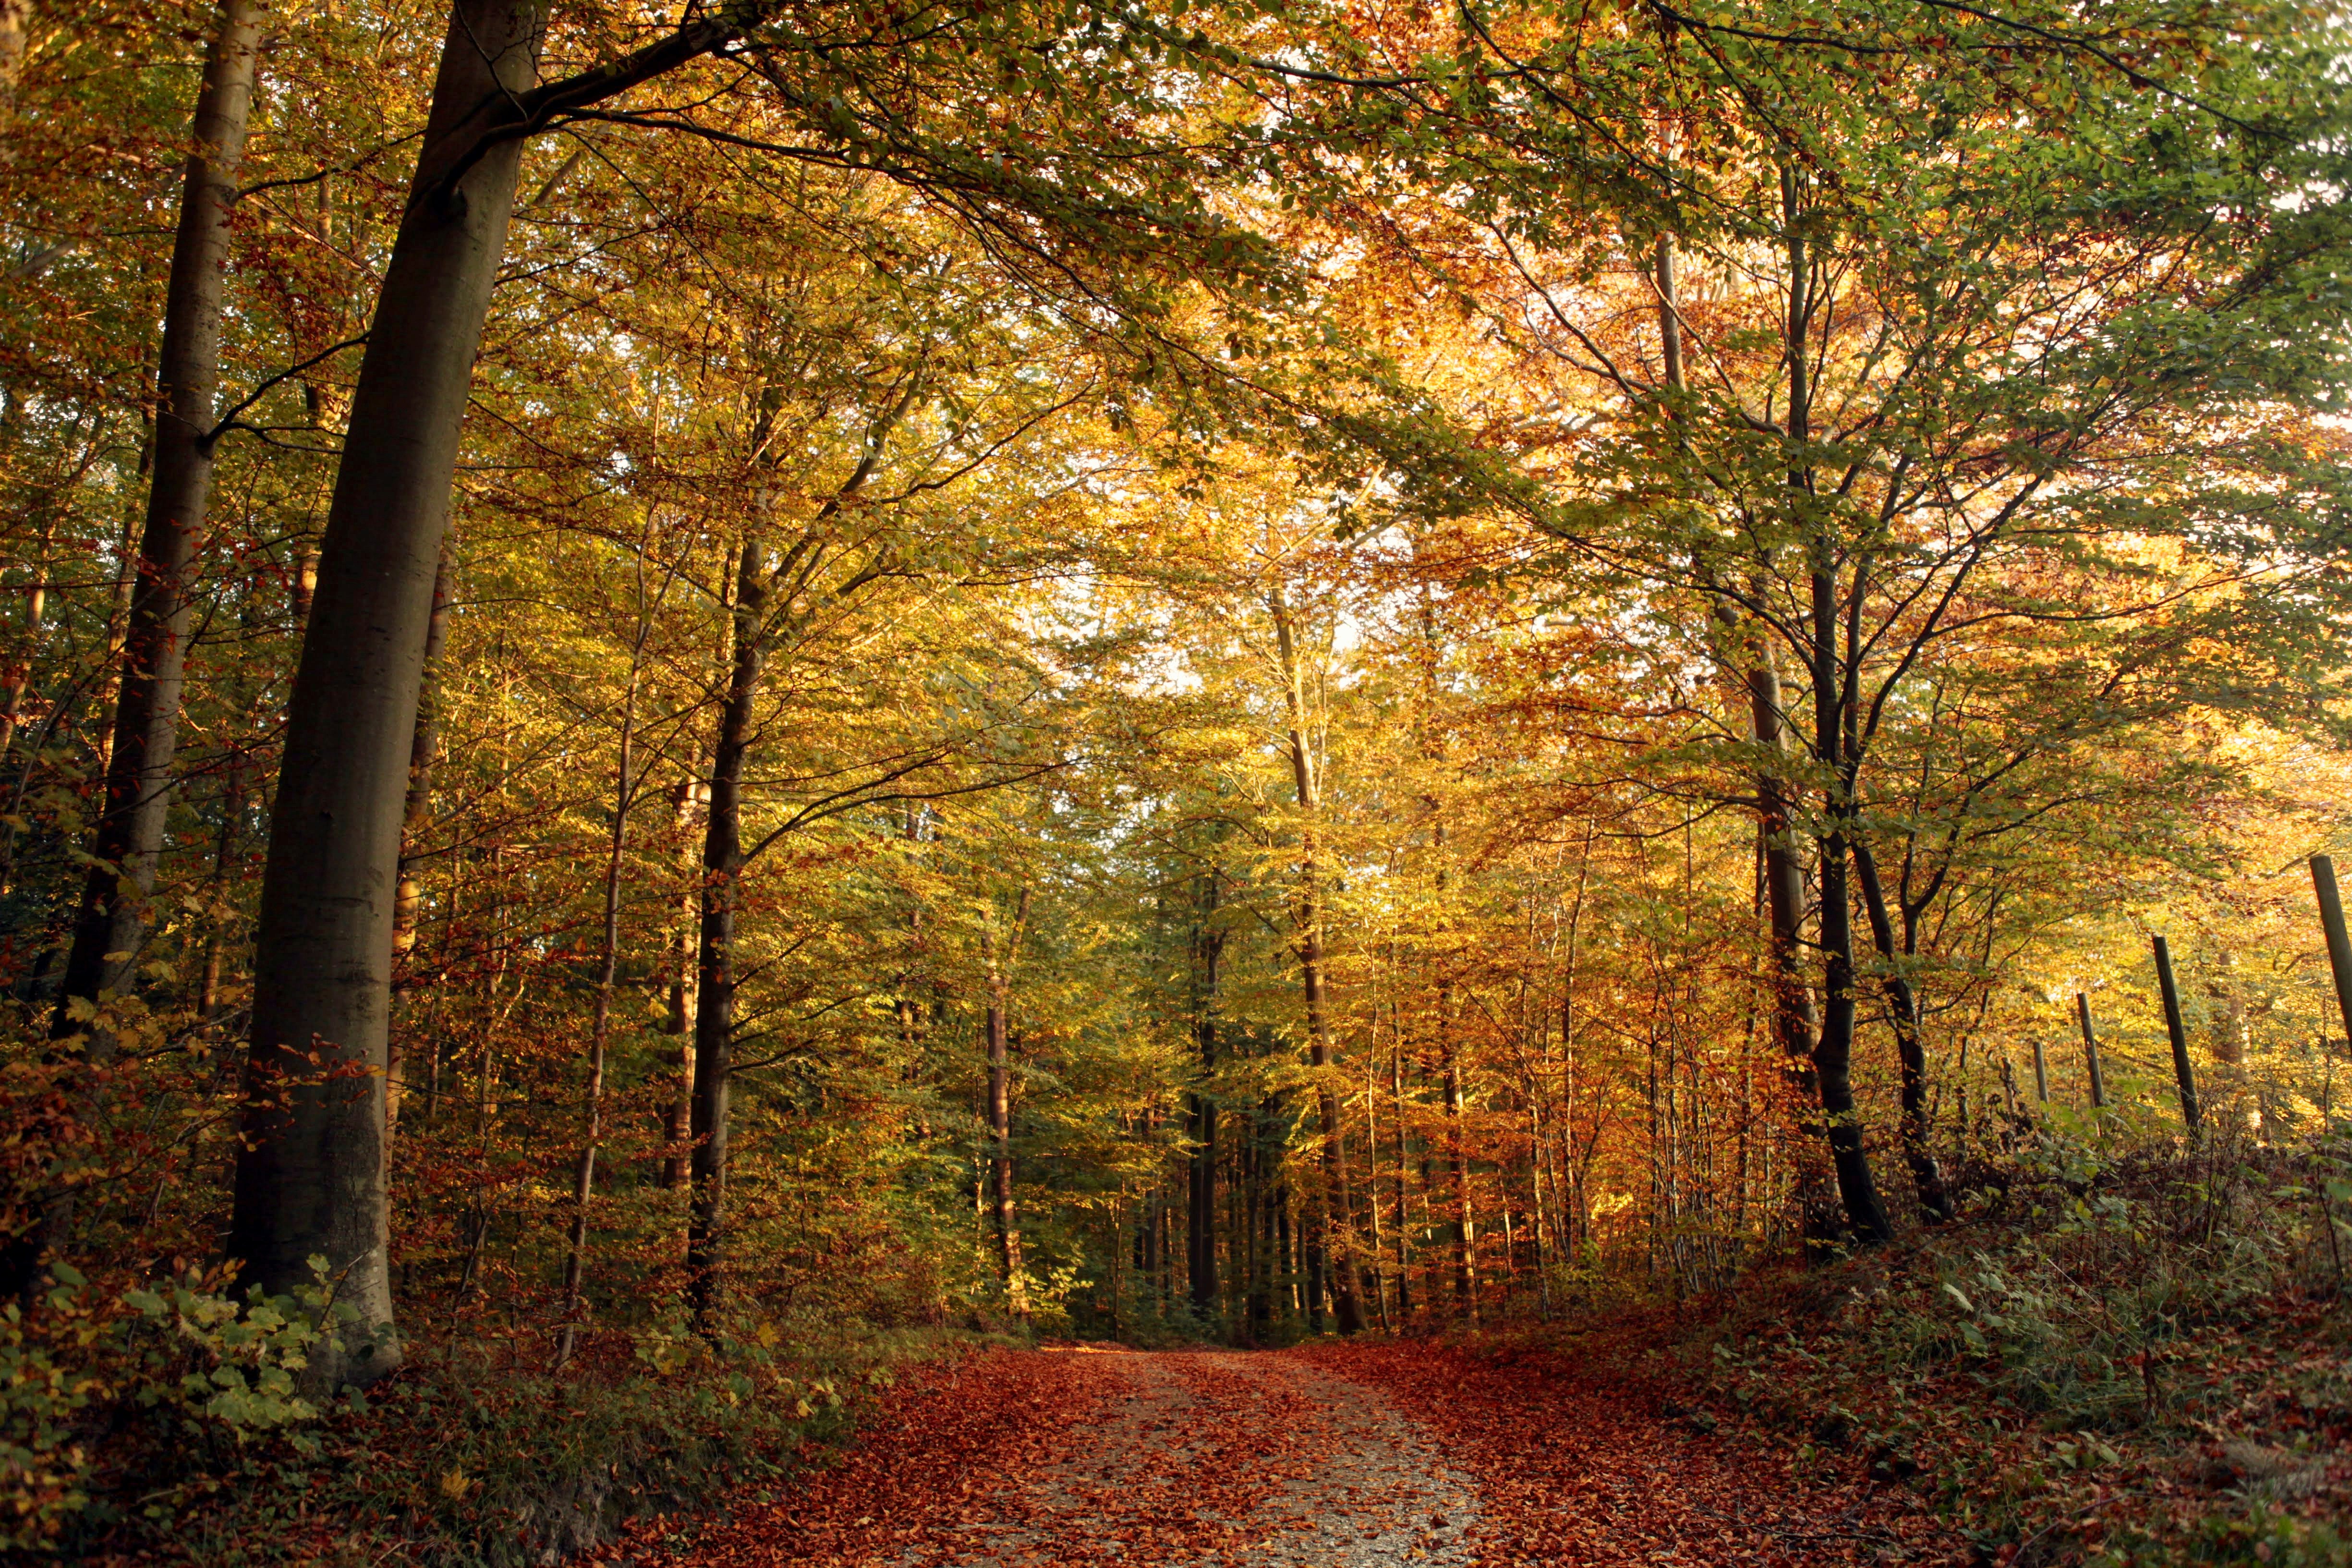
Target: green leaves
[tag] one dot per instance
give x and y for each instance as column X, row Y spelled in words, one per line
column 247, row 1354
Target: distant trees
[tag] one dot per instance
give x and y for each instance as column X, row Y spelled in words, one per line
column 1053, row 630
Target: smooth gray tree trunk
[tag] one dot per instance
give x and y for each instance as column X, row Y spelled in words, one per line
column 311, row 1178
column 415, row 823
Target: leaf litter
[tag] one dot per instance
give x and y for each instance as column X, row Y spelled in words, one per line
column 1336, row 1456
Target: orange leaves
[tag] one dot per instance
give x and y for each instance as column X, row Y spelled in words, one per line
column 933, row 1458
column 1362, row 1454
column 1576, row 1464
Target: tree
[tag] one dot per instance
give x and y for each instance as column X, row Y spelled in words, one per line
column 312, row 1181
column 111, row 927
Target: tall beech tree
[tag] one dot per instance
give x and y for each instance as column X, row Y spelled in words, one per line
column 311, row 1180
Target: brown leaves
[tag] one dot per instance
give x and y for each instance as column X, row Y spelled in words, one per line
column 1357, row 1454
column 1577, row 1464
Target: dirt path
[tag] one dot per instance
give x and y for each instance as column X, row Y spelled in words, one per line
column 1353, row 1457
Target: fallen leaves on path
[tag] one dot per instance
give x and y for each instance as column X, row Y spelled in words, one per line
column 929, row 1462
column 1335, row 1457
column 1578, row 1463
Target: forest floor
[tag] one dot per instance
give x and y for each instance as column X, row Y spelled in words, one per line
column 1355, row 1456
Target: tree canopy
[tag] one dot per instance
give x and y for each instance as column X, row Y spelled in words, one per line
column 1200, row 670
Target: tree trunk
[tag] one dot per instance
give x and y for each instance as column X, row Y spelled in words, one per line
column 723, row 860
column 311, row 1177
column 909, row 1006
column 1254, row 1251
column 416, row 817
column 1833, row 1051
column 20, row 672
column 1833, row 1057
column 714, row 1021
column 1465, row 1231
column 600, row 1028
column 692, row 798
column 1795, row 1024
column 1910, row 1050
column 1201, row 1257
column 1336, row 1210
column 111, row 926
column 13, row 16
column 219, row 911
column 998, row 1025
column 1403, row 1197
column 1374, row 1279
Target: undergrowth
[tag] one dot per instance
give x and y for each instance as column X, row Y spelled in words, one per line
column 183, row 1432
column 2112, row 1359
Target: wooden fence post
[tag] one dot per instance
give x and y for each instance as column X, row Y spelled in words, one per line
column 2340, row 947
column 2091, row 1051
column 2191, row 1113
column 2040, row 1072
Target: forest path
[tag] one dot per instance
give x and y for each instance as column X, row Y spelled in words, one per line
column 1335, row 1457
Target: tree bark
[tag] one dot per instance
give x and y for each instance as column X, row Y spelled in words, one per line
column 1833, row 1055
column 13, row 16
column 714, row 1021
column 909, row 1006
column 219, row 911
column 1670, row 318
column 1457, row 1159
column 1834, row 1050
column 311, row 1174
column 692, row 798
column 416, row 817
column 1795, row 1022
column 20, row 672
column 112, row 923
column 1910, row 1049
column 1403, row 1197
column 723, row 860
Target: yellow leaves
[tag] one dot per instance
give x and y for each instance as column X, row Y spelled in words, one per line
column 455, row 1483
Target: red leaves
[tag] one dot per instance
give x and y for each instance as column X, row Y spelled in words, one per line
column 1366, row 1454
column 943, row 1449
column 1577, row 1464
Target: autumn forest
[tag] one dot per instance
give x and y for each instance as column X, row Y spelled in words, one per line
column 714, row 714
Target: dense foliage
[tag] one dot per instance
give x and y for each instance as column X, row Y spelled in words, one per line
column 1198, row 672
